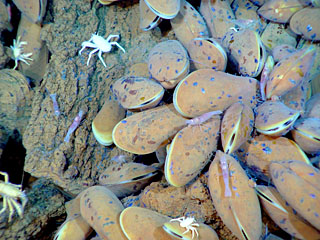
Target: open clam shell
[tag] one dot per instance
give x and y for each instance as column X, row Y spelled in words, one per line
column 246, row 51
column 241, row 212
column 207, row 53
column 274, row 118
column 205, row 232
column 168, row 63
column 188, row 24
column 148, row 19
column 166, row 9
column 306, row 133
column 261, row 150
column 137, row 93
column 190, row 151
column 236, row 126
column 149, row 224
column 290, row 72
column 279, row 10
column 306, row 23
column 127, row 178
column 101, row 209
column 284, row 215
column 146, row 131
column 109, row 115
column 208, row 90
column 298, row 184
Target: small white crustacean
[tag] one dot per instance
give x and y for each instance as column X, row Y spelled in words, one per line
column 100, row 44
column 17, row 54
column 10, row 193
column 189, row 223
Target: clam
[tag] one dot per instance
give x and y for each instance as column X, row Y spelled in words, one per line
column 190, row 151
column 236, row 126
column 305, row 23
column 188, row 24
column 282, row 51
column 109, row 115
column 306, row 133
column 274, row 118
column 148, row 19
column 290, row 72
column 261, row 150
column 207, row 53
column 142, row 223
column 276, row 34
column 208, row 90
column 279, row 11
column 168, row 63
column 30, row 33
column 204, row 231
column 146, row 131
column 241, row 211
column 218, row 15
column 34, row 10
column 284, row 215
column 166, row 9
column 137, row 93
column 126, row 178
column 74, row 227
column 4, row 17
column 246, row 51
column 101, row 209
column 298, row 184
column 313, row 107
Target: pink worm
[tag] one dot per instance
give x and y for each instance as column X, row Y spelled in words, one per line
column 204, row 117
column 225, row 175
column 55, row 104
column 74, row 125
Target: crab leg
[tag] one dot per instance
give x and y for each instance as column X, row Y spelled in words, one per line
column 4, row 207
column 118, row 45
column 11, row 210
column 112, row 36
column 90, row 54
column 101, row 59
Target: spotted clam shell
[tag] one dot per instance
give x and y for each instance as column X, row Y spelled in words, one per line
column 218, row 15
column 284, row 215
column 260, row 151
column 274, row 118
column 146, row 131
column 168, row 63
column 279, row 11
column 208, row 90
column 190, row 151
column 126, row 178
column 101, row 209
column 166, row 9
column 236, row 126
column 306, row 23
column 207, row 53
column 246, row 51
column 188, row 24
column 241, row 212
column 298, row 184
column 290, row 72
column 137, row 93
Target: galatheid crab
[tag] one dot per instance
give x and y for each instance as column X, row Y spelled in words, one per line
column 189, row 223
column 17, row 52
column 100, row 44
column 10, row 193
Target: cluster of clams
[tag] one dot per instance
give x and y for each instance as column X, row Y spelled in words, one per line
column 268, row 129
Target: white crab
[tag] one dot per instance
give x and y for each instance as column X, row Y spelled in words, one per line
column 189, row 223
column 100, row 44
column 17, row 54
column 10, row 192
